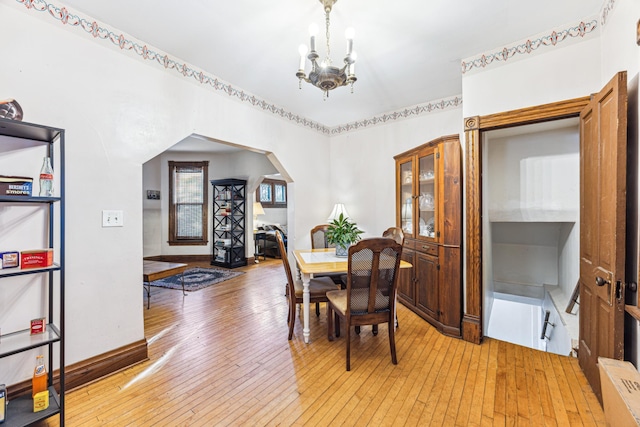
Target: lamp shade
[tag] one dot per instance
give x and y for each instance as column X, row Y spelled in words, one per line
column 258, row 209
column 338, row 209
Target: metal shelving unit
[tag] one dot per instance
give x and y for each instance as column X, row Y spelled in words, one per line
column 229, row 208
column 20, row 409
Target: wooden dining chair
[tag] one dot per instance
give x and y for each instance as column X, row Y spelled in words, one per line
column 318, row 287
column 319, row 241
column 319, row 237
column 369, row 298
column 394, row 233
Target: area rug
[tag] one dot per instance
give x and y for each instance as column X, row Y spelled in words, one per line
column 196, row 278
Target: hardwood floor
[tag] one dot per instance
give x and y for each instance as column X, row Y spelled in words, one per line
column 220, row 356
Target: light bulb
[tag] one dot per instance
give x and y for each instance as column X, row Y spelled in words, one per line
column 313, row 31
column 349, row 33
column 303, row 52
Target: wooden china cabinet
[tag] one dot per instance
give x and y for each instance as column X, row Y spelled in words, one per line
column 429, row 211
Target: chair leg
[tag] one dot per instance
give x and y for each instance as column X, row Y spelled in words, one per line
column 337, row 323
column 329, row 322
column 392, row 343
column 374, row 329
column 318, row 309
column 357, row 330
column 292, row 318
column 348, row 338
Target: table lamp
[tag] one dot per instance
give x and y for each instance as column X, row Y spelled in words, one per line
column 338, row 209
column 257, row 210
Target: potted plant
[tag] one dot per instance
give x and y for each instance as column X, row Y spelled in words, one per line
column 343, row 233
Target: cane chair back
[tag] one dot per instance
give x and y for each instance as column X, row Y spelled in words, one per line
column 319, row 237
column 369, row 298
column 319, row 241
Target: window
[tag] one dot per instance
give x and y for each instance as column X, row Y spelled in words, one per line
column 272, row 193
column 188, row 203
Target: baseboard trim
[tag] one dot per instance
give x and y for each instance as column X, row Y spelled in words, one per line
column 180, row 258
column 100, row 366
column 471, row 329
column 92, row 369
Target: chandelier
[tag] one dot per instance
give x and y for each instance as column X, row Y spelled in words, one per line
column 323, row 75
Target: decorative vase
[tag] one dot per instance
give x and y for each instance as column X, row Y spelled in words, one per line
column 342, row 250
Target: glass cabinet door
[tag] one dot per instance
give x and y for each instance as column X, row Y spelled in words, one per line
column 406, row 197
column 427, row 197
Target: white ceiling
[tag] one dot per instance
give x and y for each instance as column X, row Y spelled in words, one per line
column 409, row 51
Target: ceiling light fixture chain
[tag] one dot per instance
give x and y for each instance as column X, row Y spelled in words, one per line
column 328, row 36
column 325, row 76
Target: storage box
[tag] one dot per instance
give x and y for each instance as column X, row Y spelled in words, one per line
column 15, row 185
column 9, row 259
column 41, row 401
column 620, row 385
column 3, row 402
column 38, row 326
column 37, row 258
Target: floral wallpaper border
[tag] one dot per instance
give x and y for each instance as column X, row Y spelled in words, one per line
column 145, row 52
column 443, row 104
column 608, row 7
column 529, row 46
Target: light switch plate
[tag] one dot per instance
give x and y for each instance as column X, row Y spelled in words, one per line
column 112, row 218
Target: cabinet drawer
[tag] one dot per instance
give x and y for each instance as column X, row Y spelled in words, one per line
column 427, row 248
column 409, row 244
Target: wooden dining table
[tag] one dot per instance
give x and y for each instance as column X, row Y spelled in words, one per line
column 320, row 261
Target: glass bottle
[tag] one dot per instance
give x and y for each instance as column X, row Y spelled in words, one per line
column 39, row 380
column 46, row 178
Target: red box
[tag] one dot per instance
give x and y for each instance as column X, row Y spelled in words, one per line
column 37, row 258
column 38, row 326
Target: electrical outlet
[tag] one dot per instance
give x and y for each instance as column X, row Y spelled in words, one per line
column 112, row 218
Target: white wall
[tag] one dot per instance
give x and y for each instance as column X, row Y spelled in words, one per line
column 119, row 113
column 368, row 188
column 533, row 173
column 549, row 76
column 531, row 196
column 517, row 320
column 273, row 216
column 241, row 165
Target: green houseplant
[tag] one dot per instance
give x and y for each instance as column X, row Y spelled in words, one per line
column 343, row 233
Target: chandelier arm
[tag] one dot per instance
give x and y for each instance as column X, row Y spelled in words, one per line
column 325, row 76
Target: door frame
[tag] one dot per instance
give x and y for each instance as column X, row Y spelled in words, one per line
column 473, row 129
